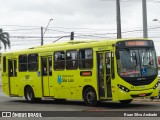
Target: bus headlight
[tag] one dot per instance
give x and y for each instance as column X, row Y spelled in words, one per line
column 123, row 88
column 156, row 85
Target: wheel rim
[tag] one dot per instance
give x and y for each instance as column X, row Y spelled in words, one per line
column 29, row 95
column 90, row 97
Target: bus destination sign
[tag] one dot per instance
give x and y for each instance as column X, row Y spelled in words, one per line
column 136, row 43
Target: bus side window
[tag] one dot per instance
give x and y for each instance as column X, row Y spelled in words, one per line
column 86, row 59
column 22, row 63
column 71, row 60
column 59, row 60
column 33, row 62
column 4, row 64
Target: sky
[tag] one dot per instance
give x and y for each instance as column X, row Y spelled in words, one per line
column 89, row 19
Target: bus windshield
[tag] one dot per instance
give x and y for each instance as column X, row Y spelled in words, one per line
column 137, row 62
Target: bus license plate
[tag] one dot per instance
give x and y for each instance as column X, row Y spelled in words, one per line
column 142, row 95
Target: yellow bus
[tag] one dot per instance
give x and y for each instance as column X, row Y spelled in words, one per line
column 93, row 71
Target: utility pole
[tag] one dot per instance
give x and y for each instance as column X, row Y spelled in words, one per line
column 144, row 11
column 41, row 36
column 118, row 12
column 42, row 33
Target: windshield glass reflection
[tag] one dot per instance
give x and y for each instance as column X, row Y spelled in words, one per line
column 137, row 63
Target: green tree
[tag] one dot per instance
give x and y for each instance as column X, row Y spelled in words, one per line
column 5, row 39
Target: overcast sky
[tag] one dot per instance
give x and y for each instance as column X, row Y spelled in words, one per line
column 85, row 17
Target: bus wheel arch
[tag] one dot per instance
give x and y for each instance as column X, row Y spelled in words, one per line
column 89, row 96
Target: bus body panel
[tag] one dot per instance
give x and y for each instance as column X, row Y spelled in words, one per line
column 46, row 81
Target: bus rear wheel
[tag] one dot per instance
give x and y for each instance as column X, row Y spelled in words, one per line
column 29, row 95
column 125, row 102
column 90, row 97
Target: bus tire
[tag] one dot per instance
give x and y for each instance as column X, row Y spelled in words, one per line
column 29, row 95
column 90, row 97
column 125, row 102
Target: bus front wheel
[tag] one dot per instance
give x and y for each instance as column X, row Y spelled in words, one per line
column 125, row 102
column 90, row 97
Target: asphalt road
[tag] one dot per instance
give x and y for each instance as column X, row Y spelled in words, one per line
column 20, row 105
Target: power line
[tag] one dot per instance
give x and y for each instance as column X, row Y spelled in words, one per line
column 89, row 35
column 18, row 26
column 23, row 29
column 25, row 39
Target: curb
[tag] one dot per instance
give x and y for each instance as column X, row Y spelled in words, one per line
column 147, row 100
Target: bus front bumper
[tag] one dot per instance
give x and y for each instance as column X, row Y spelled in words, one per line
column 122, row 95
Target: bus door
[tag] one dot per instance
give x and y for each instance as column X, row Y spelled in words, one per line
column 104, row 74
column 46, row 68
column 12, row 75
